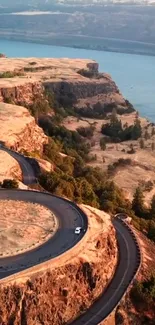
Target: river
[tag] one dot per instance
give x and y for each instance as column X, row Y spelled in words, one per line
column 134, row 74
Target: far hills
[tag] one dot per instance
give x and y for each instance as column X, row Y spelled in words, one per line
column 118, row 27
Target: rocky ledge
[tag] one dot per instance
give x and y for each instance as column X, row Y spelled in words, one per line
column 18, row 129
column 75, row 80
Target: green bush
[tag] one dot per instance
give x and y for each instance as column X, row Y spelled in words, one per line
column 118, row 133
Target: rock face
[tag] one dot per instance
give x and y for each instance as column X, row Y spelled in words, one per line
column 67, row 286
column 76, row 80
column 18, row 129
column 9, row 168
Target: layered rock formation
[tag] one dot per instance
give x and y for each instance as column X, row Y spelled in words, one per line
column 76, row 80
column 9, row 168
column 57, row 291
column 18, row 129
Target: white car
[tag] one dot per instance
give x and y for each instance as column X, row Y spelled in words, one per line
column 78, row 230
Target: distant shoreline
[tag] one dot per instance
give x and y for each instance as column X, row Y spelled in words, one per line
column 111, row 45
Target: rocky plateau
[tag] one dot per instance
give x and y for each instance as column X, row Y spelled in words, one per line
column 74, row 79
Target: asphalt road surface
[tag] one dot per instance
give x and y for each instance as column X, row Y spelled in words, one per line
column 28, row 174
column 129, row 260
column 69, row 217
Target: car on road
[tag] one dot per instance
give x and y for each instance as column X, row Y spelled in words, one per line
column 78, row 230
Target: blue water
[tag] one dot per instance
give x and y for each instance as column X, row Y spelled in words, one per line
column 134, row 74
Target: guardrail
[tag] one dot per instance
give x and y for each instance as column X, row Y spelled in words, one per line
column 139, row 257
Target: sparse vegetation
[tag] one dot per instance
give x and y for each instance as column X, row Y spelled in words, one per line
column 143, row 296
column 73, row 179
column 141, row 143
column 119, row 163
column 118, row 133
column 145, row 217
column 102, row 144
column 86, row 132
column 9, row 183
column 11, row 74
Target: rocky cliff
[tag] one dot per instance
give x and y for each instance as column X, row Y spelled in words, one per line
column 77, row 81
column 55, row 292
column 9, row 168
column 18, row 129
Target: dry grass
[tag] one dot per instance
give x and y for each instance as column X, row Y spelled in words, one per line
column 129, row 176
column 24, row 226
column 48, row 69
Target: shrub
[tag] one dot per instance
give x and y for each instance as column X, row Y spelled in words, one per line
column 11, row 74
column 9, row 183
column 86, row 132
column 102, row 144
column 118, row 133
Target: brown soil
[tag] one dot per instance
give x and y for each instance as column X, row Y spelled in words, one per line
column 24, row 226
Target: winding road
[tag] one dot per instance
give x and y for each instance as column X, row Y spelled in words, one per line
column 70, row 216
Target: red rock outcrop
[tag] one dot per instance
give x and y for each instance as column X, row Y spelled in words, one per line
column 18, row 129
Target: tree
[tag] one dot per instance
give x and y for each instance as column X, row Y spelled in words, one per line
column 151, row 231
column 86, row 132
column 113, row 118
column 65, row 189
column 141, row 142
column 136, row 129
column 49, row 181
column 102, row 144
column 153, row 132
column 152, row 146
column 10, row 183
column 86, row 193
column 138, row 203
column 152, row 209
column 146, row 135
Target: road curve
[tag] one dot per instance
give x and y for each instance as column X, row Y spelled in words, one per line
column 70, row 216
column 129, row 261
column 28, row 175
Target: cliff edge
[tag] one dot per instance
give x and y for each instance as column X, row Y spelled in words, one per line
column 74, row 80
